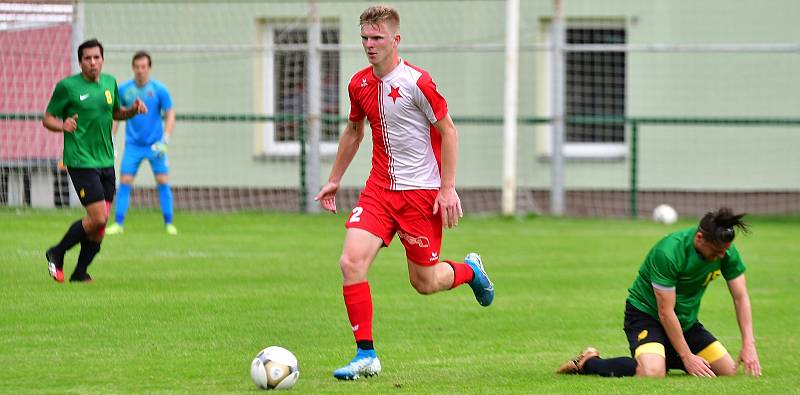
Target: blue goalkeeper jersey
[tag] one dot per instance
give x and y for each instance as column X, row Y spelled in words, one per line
column 145, row 129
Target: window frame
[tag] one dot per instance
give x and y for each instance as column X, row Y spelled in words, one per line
column 574, row 150
column 267, row 144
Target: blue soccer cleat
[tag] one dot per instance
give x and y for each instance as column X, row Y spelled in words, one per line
column 481, row 286
column 364, row 364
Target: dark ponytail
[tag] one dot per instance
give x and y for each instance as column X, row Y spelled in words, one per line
column 718, row 227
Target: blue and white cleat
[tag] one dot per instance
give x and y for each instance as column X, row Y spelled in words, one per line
column 362, row 365
column 481, row 286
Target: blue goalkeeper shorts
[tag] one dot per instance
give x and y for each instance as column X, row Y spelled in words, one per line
column 134, row 154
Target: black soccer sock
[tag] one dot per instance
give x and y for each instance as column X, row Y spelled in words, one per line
column 612, row 367
column 365, row 345
column 75, row 234
column 89, row 249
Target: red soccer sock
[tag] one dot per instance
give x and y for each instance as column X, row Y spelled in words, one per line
column 462, row 273
column 358, row 302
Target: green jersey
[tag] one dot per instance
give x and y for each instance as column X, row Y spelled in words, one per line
column 90, row 145
column 673, row 263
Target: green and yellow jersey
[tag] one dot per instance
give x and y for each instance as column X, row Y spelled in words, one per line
column 90, row 145
column 673, row 263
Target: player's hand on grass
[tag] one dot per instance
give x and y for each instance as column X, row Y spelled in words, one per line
column 448, row 203
column 697, row 366
column 327, row 196
column 749, row 357
column 70, row 124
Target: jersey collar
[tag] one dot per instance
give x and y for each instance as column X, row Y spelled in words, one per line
column 390, row 75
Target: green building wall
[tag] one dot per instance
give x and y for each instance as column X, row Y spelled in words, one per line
column 676, row 84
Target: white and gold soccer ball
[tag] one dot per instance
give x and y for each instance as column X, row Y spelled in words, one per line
column 275, row 368
column 665, row 214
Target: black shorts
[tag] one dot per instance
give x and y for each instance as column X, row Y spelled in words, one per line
column 94, row 185
column 641, row 328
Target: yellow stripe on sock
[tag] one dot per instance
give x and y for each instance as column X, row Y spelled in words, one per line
column 713, row 352
column 650, row 348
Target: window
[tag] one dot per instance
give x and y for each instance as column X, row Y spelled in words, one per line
column 285, row 78
column 595, row 86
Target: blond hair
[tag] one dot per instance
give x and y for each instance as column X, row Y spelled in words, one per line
column 380, row 13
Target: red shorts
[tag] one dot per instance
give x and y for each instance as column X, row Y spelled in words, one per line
column 384, row 212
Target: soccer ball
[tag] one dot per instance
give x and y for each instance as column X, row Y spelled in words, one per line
column 665, row 214
column 275, row 368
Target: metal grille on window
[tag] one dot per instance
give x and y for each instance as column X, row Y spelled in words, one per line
column 595, row 87
column 290, row 80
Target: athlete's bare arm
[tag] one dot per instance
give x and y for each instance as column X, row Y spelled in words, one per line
column 744, row 316
column 169, row 123
column 447, row 200
column 54, row 124
column 695, row 365
column 122, row 113
column 349, row 142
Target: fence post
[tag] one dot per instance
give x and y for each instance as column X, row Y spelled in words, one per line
column 303, row 195
column 511, row 108
column 78, row 22
column 313, row 121
column 557, row 192
column 634, row 187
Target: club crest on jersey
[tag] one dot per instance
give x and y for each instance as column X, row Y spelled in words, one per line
column 395, row 94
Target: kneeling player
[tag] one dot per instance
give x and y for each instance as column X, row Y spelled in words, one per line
column 661, row 310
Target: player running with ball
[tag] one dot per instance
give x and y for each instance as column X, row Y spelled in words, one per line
column 411, row 187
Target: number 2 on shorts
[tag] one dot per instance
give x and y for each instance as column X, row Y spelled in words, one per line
column 356, row 217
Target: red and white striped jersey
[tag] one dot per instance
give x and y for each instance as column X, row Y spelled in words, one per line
column 401, row 108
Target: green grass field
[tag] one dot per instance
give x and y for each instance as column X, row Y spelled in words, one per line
column 188, row 313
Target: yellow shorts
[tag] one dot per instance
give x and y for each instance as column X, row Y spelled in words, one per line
column 711, row 353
